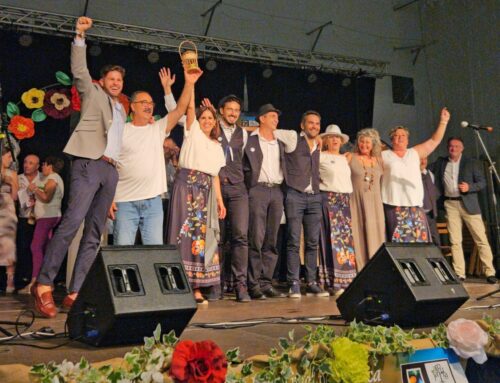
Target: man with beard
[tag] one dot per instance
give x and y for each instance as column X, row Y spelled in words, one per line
column 234, row 230
column 95, row 144
column 303, row 201
column 25, row 223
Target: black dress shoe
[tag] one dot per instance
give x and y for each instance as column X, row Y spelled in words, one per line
column 272, row 293
column 257, row 294
column 491, row 279
column 462, row 279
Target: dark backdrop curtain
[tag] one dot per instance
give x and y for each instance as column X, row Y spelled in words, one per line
column 22, row 68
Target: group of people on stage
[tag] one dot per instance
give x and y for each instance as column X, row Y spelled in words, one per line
column 233, row 186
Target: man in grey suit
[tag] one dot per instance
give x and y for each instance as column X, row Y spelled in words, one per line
column 459, row 179
column 95, row 145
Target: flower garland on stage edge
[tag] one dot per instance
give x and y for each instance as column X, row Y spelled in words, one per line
column 321, row 356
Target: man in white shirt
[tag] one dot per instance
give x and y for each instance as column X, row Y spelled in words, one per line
column 141, row 166
column 459, row 179
column 26, row 221
column 263, row 166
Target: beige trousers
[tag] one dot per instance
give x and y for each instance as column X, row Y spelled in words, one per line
column 455, row 214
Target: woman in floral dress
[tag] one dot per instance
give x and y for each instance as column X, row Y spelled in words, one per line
column 196, row 201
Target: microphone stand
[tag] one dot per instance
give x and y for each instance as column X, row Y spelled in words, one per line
column 496, row 229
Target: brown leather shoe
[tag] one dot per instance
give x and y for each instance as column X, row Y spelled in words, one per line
column 68, row 301
column 44, row 303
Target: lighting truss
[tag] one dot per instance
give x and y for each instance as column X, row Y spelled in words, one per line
column 30, row 20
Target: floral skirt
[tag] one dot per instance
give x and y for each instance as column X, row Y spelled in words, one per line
column 187, row 226
column 406, row 224
column 337, row 261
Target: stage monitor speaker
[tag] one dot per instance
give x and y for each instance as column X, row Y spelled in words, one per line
column 410, row 285
column 127, row 292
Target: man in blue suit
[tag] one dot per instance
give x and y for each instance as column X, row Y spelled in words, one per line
column 459, row 179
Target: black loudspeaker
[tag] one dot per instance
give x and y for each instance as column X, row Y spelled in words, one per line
column 127, row 292
column 410, row 285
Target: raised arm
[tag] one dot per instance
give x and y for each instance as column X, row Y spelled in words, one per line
column 184, row 100
column 427, row 147
column 190, row 113
column 81, row 75
column 167, row 80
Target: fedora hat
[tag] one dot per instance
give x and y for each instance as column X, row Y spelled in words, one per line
column 334, row 130
column 266, row 108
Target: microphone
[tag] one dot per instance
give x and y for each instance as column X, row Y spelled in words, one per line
column 465, row 124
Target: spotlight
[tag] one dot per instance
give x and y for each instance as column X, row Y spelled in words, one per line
column 346, row 82
column 312, row 78
column 153, row 57
column 266, row 73
column 211, row 65
column 25, row 40
column 95, row 50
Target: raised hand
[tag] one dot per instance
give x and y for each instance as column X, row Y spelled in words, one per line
column 166, row 78
column 193, row 75
column 83, row 23
column 445, row 116
column 207, row 104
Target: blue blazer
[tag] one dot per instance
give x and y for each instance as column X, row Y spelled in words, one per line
column 470, row 171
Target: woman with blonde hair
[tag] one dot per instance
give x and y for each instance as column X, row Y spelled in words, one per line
column 367, row 210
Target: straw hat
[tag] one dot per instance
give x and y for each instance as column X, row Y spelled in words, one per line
column 334, row 130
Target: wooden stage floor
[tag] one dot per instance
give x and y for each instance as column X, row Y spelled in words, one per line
column 252, row 340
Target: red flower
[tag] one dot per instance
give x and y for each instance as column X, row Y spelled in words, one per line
column 75, row 99
column 22, row 127
column 200, row 362
column 57, row 103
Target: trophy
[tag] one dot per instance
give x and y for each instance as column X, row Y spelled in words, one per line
column 189, row 56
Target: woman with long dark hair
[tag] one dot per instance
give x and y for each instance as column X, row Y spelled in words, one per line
column 196, row 201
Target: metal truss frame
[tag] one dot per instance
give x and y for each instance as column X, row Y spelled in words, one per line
column 29, row 20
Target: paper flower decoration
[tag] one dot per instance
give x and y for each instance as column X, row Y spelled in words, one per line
column 57, row 103
column 22, row 127
column 33, row 98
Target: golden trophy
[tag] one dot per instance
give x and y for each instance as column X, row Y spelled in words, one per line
column 189, row 56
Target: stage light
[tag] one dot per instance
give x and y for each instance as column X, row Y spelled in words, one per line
column 312, row 78
column 95, row 50
column 153, row 57
column 267, row 73
column 25, row 40
column 211, row 65
column 346, row 82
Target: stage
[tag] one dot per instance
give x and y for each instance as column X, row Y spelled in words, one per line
column 256, row 339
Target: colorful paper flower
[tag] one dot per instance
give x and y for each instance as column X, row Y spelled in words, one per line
column 22, row 127
column 467, row 339
column 57, row 103
column 75, row 99
column 198, row 362
column 33, row 98
column 350, row 362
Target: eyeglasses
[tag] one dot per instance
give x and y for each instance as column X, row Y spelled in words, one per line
column 144, row 103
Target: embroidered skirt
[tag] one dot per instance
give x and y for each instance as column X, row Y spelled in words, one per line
column 337, row 261
column 188, row 226
column 406, row 224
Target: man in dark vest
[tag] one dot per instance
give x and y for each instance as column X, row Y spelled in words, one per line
column 264, row 166
column 459, row 179
column 431, row 195
column 234, row 192
column 303, row 201
column 234, row 229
